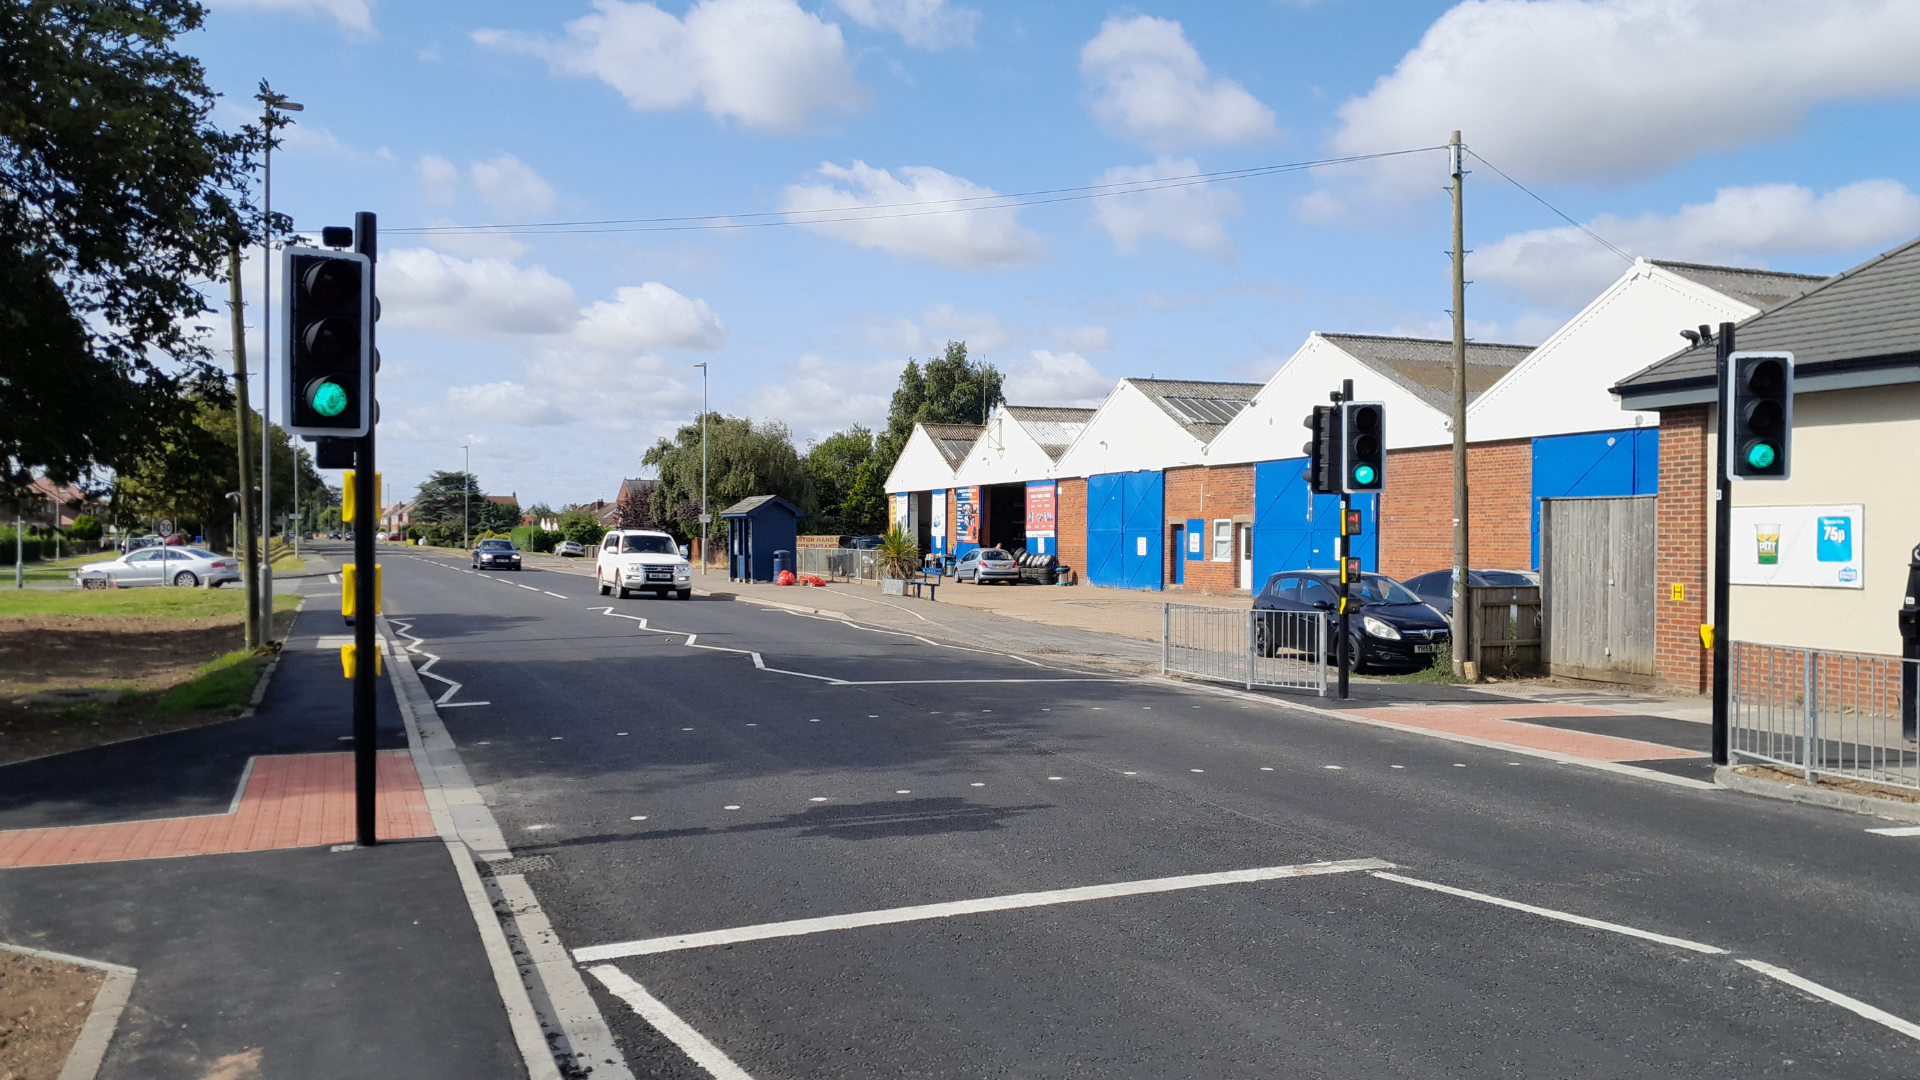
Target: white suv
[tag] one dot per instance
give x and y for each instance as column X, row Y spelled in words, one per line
column 632, row 560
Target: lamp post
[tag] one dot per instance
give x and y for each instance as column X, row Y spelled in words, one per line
column 466, row 485
column 274, row 104
column 706, row 512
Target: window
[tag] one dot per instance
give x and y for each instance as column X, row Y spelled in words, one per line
column 1223, row 540
column 1314, row 592
column 650, row 545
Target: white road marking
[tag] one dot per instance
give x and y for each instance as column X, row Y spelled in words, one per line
column 404, row 627
column 529, row 588
column 1266, row 768
column 978, row 784
column 1056, row 778
column 333, row 579
column 1903, row 830
column 1334, row 767
column 923, row 912
column 904, row 791
column 458, row 704
column 555, row 595
column 818, row 798
column 691, row 1042
column 1563, row 916
column 730, row 808
column 1852, row 1005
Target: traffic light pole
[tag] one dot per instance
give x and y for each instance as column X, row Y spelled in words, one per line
column 366, row 670
column 1722, row 549
column 1341, row 548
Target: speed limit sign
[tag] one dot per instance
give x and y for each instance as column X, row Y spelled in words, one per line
column 164, row 527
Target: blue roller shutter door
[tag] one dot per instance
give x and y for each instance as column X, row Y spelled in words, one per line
column 1104, row 524
column 1296, row 530
column 1143, row 505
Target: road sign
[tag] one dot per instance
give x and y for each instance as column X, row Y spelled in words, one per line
column 163, row 527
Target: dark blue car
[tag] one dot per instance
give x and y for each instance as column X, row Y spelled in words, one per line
column 1390, row 629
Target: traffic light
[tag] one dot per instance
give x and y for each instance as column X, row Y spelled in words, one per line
column 1363, row 443
column 1323, row 451
column 1759, row 415
column 328, row 347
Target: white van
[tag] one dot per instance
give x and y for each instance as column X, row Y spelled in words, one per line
column 635, row 560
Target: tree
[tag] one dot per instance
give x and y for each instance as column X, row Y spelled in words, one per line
column 744, row 459
column 117, row 197
column 634, row 508
column 865, row 510
column 950, row 389
column 85, row 527
column 832, row 465
column 450, row 500
column 189, row 465
column 581, row 525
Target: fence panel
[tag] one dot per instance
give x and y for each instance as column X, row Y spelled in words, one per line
column 1252, row 648
column 840, row 564
column 1506, row 633
column 1824, row 713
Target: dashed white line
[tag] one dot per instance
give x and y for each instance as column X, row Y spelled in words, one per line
column 1902, row 830
column 555, row 595
column 922, row 912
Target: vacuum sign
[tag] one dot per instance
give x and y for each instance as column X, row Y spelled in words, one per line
column 1818, row 546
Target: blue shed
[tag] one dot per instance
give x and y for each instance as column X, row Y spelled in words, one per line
column 756, row 528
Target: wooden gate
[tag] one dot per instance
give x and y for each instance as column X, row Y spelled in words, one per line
column 1597, row 587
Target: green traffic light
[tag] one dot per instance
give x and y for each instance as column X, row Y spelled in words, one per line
column 1363, row 474
column 1760, row 455
column 328, row 399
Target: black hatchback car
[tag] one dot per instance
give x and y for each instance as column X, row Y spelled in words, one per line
column 1390, row 628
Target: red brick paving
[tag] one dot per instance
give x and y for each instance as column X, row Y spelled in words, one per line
column 301, row 800
column 1495, row 723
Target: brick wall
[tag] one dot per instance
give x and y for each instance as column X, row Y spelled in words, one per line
column 1071, row 528
column 1208, row 493
column 1416, row 510
column 1680, row 556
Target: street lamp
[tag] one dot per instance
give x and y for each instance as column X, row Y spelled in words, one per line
column 706, row 512
column 466, row 485
column 273, row 103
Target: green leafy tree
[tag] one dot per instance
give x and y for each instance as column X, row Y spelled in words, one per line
column 581, row 525
column 117, row 198
column 190, row 465
column 86, row 527
column 864, row 512
column 949, row 389
column 744, row 459
column 832, row 465
column 449, row 500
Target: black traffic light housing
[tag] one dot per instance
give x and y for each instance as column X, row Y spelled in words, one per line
column 1759, row 404
column 1363, row 445
column 328, row 347
column 1323, row 451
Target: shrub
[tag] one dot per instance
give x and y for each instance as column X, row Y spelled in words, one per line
column 899, row 556
column 85, row 527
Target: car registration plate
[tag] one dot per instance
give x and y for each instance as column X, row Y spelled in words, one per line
column 1426, row 648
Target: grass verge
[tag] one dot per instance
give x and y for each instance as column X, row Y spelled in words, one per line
column 176, row 603
column 54, row 569
column 223, row 685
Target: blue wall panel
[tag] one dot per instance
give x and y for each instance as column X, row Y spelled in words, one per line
column 1143, row 506
column 1296, row 530
column 1594, row 464
column 1103, row 531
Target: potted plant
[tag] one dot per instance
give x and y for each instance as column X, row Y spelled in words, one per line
column 899, row 560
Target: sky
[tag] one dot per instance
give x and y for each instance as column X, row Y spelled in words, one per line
column 800, row 194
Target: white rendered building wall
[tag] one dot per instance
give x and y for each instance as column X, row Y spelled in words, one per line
column 1271, row 428
column 1005, row 453
column 921, row 466
column 1129, row 433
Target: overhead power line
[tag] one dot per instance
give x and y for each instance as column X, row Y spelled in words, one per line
column 1597, row 238
column 924, row 208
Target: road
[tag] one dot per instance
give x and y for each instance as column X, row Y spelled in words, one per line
column 706, row 766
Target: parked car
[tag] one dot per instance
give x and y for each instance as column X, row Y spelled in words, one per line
column 982, row 565
column 642, row 560
column 865, row 543
column 160, row 564
column 1390, row 628
column 1436, row 587
column 135, row 543
column 572, row 549
column 495, row 554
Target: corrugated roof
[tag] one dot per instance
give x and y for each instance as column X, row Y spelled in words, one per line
column 1863, row 315
column 1054, row 429
column 953, row 440
column 1761, row 288
column 1424, row 366
column 1203, row 408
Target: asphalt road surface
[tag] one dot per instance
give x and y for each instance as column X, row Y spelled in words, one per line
column 722, row 766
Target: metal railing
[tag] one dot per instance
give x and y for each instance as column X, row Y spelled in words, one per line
column 1253, row 648
column 1824, row 713
column 840, row 564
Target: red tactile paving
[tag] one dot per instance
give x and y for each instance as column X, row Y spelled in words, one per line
column 301, row 800
column 1490, row 722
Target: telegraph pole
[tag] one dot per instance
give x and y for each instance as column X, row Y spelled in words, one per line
column 244, row 542
column 1462, row 596
column 273, row 104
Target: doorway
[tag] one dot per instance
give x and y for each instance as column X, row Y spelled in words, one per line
column 1243, row 543
column 1177, row 550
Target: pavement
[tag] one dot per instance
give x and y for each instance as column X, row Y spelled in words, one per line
column 785, row 832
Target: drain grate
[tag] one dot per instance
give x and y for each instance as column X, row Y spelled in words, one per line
column 524, row 865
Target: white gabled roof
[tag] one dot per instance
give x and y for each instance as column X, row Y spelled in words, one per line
column 1150, row 424
column 932, row 453
column 1020, row 443
column 1564, row 386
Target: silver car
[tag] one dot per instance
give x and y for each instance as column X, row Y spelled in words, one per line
column 570, row 548
column 982, row 565
column 184, row 567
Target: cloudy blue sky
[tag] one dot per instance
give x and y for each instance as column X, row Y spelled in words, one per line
column 1753, row 132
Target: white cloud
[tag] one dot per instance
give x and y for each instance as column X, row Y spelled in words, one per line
column 1062, row 379
column 646, row 317
column 505, row 403
column 924, row 24
column 434, row 293
column 1081, row 338
column 990, row 239
column 439, row 180
column 813, row 396
column 1186, row 215
column 352, row 14
column 1742, row 226
column 983, row 331
column 1594, row 90
column 766, row 63
column 511, row 186
column 1154, row 89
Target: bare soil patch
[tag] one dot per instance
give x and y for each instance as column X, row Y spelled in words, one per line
column 43, row 1005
